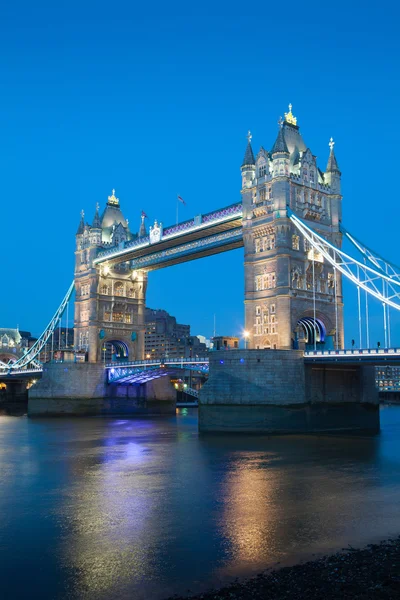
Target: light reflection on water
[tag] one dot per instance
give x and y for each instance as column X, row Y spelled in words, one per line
column 106, row 508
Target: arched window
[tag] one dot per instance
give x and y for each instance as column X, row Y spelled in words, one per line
column 132, row 293
column 262, row 167
column 118, row 289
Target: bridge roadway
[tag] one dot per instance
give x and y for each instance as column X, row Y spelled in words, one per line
column 377, row 357
column 201, row 236
column 140, row 371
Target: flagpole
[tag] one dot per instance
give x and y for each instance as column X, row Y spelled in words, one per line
column 177, row 209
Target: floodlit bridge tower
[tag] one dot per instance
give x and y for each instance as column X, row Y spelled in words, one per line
column 109, row 300
column 293, row 299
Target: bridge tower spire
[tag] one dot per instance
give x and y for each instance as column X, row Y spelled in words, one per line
column 248, row 167
column 332, row 173
column 292, row 298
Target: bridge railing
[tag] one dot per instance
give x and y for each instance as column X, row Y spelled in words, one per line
column 352, row 352
column 194, row 224
column 154, row 362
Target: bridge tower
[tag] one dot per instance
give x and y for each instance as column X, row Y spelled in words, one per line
column 109, row 300
column 293, row 299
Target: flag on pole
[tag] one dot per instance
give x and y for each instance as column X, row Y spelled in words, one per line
column 181, row 200
column 144, row 215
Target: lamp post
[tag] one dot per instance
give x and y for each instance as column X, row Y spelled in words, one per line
column 246, row 335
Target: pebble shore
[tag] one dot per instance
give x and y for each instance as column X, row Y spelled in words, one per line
column 370, row 573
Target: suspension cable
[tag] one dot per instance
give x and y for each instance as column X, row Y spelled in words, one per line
column 41, row 342
column 314, row 322
column 336, row 310
column 372, row 276
column 371, row 255
column 359, row 310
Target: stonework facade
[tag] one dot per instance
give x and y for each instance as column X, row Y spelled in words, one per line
column 109, row 300
column 284, row 277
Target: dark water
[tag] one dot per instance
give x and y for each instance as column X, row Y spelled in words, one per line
column 106, row 508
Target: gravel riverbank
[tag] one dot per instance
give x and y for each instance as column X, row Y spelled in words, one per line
column 372, row 572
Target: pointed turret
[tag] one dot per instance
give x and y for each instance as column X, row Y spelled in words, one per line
column 81, row 224
column 280, row 142
column 142, row 230
column 332, row 166
column 96, row 220
column 332, row 173
column 248, row 160
column 248, row 167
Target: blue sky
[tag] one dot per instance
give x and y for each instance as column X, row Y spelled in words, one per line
column 158, row 102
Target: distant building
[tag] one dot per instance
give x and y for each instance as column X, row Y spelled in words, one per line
column 222, row 342
column 204, row 340
column 13, row 343
column 165, row 338
column 387, row 379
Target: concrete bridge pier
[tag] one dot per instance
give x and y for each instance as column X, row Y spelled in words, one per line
column 273, row 391
column 81, row 389
column 15, row 392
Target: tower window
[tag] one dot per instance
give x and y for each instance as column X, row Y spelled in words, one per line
column 119, row 289
column 295, row 242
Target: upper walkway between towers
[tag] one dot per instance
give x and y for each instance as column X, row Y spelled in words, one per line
column 202, row 235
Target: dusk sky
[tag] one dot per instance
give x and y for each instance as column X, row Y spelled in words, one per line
column 98, row 97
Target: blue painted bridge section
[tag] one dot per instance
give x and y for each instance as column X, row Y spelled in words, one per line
column 142, row 371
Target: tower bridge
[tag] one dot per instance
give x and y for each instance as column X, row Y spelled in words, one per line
column 289, row 223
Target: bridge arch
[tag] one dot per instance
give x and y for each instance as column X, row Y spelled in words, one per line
column 314, row 330
column 6, row 357
column 115, row 350
column 306, row 331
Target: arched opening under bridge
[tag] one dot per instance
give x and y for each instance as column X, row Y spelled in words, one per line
column 114, row 350
column 312, row 332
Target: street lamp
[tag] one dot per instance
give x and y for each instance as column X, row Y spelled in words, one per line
column 246, row 335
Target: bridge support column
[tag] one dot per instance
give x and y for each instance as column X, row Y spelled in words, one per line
column 273, row 391
column 81, row 389
column 15, row 392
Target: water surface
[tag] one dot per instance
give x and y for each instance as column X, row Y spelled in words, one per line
column 141, row 509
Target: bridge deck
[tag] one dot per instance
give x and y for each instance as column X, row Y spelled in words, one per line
column 201, row 236
column 384, row 356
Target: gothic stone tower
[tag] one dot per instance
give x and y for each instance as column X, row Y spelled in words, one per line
column 109, row 301
column 279, row 264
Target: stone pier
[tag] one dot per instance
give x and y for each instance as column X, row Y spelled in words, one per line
column 81, row 389
column 273, row 391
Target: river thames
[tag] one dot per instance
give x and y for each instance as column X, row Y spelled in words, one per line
column 142, row 509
